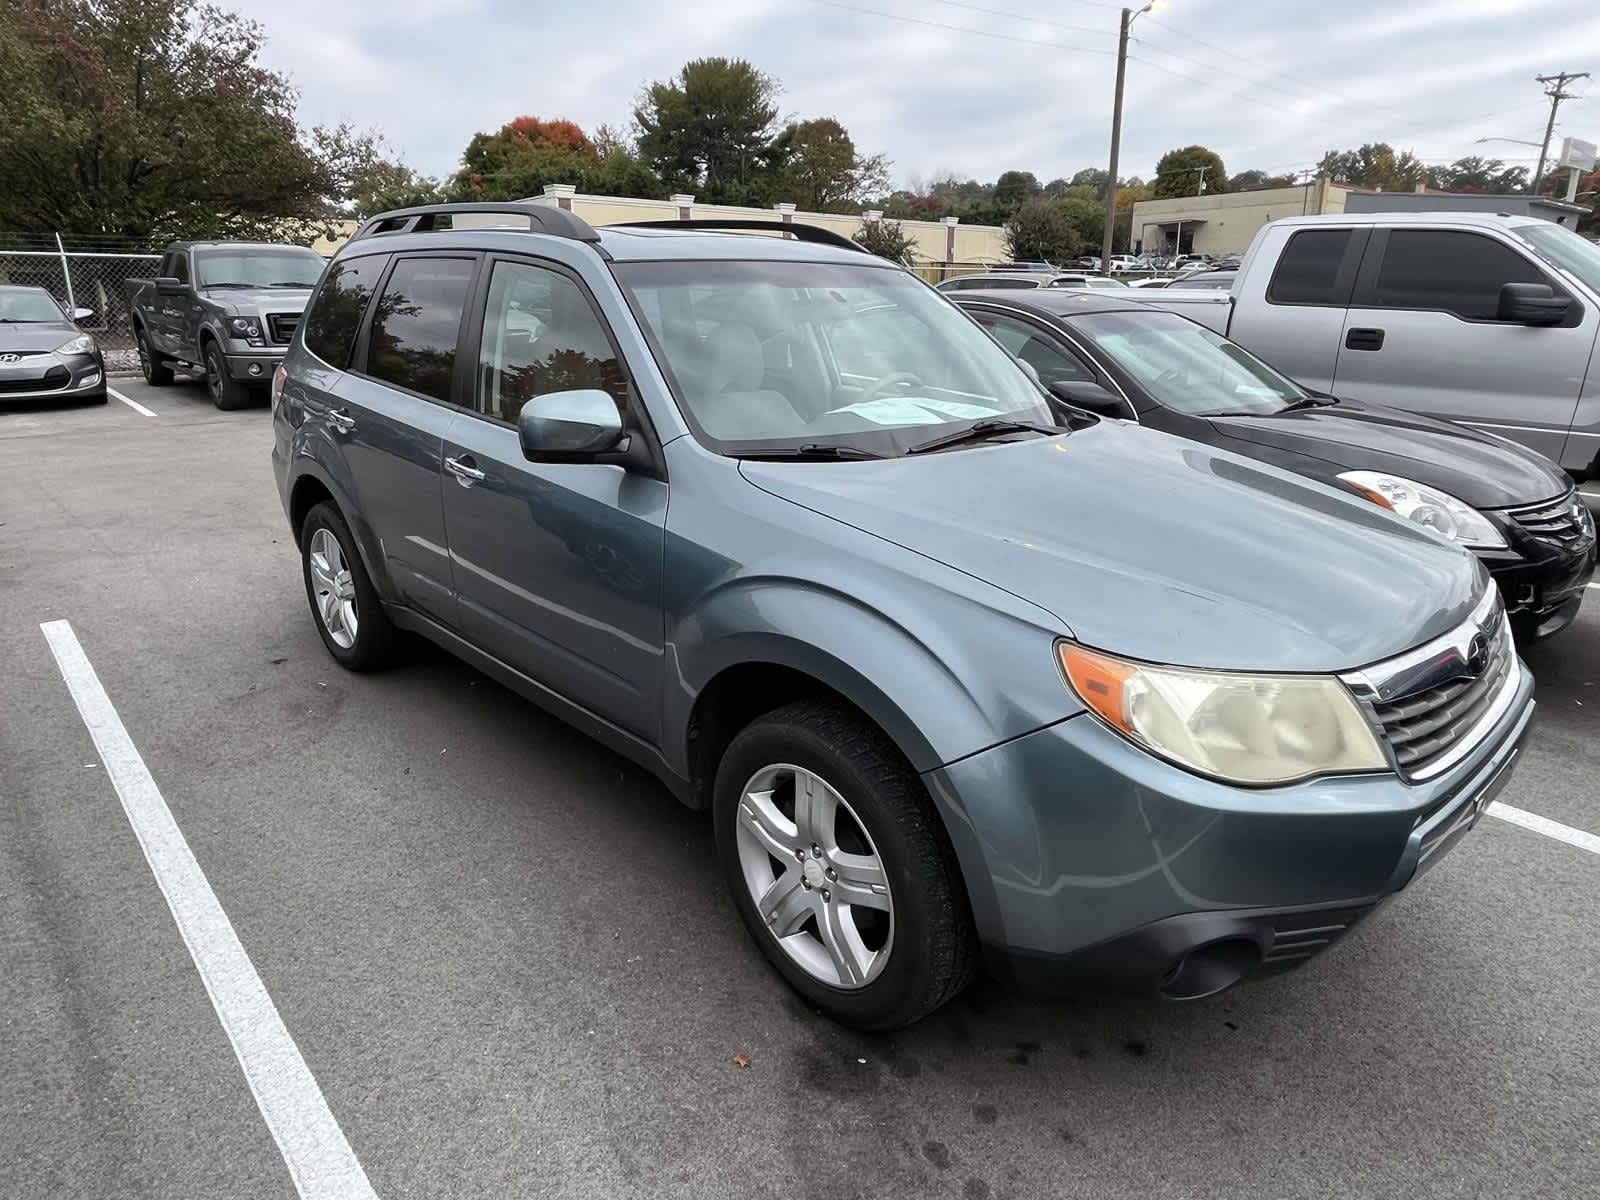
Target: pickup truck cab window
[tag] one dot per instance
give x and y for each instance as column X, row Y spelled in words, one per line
column 540, row 334
column 418, row 323
column 1448, row 270
column 1316, row 267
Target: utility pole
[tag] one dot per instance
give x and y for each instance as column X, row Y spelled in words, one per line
column 1557, row 93
column 1116, row 141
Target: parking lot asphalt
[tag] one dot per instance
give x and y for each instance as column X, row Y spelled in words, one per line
column 508, row 960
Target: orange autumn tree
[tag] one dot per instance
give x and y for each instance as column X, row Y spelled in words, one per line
column 523, row 155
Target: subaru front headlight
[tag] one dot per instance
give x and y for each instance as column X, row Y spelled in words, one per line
column 1242, row 728
column 1434, row 510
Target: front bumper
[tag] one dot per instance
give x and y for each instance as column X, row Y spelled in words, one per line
column 52, row 376
column 1087, row 858
column 1543, row 583
column 253, row 366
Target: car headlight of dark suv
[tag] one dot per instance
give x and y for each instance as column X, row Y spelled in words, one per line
column 247, row 328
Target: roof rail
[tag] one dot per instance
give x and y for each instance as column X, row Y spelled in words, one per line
column 424, row 218
column 801, row 233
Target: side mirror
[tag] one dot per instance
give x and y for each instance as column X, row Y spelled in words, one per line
column 169, row 285
column 1532, row 304
column 1082, row 393
column 80, row 315
column 571, row 426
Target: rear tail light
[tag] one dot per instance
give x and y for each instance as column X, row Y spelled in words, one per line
column 279, row 378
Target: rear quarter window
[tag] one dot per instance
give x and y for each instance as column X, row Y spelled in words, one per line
column 336, row 312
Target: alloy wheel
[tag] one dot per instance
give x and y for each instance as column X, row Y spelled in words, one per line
column 815, row 876
column 333, row 587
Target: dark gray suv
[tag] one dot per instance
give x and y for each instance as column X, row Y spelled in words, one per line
column 961, row 673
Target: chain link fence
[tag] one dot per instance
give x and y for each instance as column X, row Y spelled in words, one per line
column 84, row 273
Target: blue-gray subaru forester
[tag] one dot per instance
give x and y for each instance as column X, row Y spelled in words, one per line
column 961, row 673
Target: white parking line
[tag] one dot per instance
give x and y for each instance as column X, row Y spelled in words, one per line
column 1544, row 825
column 133, row 404
column 314, row 1148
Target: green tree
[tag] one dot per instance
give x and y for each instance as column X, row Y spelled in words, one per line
column 1041, row 230
column 1015, row 188
column 888, row 240
column 1374, row 165
column 149, row 120
column 1179, row 172
column 710, row 127
column 1254, row 180
column 1473, row 174
column 820, row 170
column 1086, row 212
column 1092, row 177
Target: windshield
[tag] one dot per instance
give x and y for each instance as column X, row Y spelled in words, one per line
column 1565, row 249
column 29, row 306
column 1188, row 368
column 767, row 355
column 258, row 268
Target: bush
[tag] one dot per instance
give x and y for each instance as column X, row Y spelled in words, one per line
column 1041, row 230
column 888, row 240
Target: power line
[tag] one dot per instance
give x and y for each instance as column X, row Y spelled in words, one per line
column 968, row 30
column 1150, row 18
column 1016, row 16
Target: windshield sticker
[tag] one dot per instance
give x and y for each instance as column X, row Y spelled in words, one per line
column 913, row 410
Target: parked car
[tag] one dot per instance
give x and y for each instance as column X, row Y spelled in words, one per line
column 226, row 309
column 1001, row 279
column 1217, row 281
column 1029, row 267
column 1512, row 507
column 1122, row 263
column 1087, row 262
column 43, row 353
column 1095, row 282
column 957, row 669
column 1490, row 320
column 1154, row 281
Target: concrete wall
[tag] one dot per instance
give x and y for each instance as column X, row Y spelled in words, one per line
column 1225, row 222
column 936, row 241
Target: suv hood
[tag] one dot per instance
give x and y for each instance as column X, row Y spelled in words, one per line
column 1159, row 548
column 33, row 336
column 1483, row 471
column 247, row 302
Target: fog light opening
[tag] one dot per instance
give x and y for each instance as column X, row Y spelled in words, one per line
column 255, row 369
column 1212, row 968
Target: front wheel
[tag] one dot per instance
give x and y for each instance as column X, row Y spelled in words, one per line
column 227, row 393
column 839, row 867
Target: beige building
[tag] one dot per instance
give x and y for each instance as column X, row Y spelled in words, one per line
column 1224, row 222
column 939, row 244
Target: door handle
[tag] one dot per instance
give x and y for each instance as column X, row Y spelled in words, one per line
column 465, row 469
column 341, row 420
column 1364, row 339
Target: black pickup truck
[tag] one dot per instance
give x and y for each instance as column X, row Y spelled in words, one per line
column 224, row 309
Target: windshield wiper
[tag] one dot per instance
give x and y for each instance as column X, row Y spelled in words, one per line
column 812, row 451
column 982, row 429
column 1309, row 402
column 230, row 283
column 289, row 283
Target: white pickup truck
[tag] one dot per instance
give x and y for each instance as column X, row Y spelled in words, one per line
column 1488, row 320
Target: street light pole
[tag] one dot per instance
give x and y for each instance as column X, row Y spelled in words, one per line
column 1116, row 141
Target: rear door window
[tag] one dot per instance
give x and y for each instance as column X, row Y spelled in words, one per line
column 341, row 302
column 1309, row 269
column 1449, row 271
column 417, row 324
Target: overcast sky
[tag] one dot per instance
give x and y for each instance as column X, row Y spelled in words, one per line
column 960, row 87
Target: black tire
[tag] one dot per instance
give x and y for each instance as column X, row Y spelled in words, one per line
column 157, row 371
column 227, row 393
column 374, row 643
column 933, row 954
